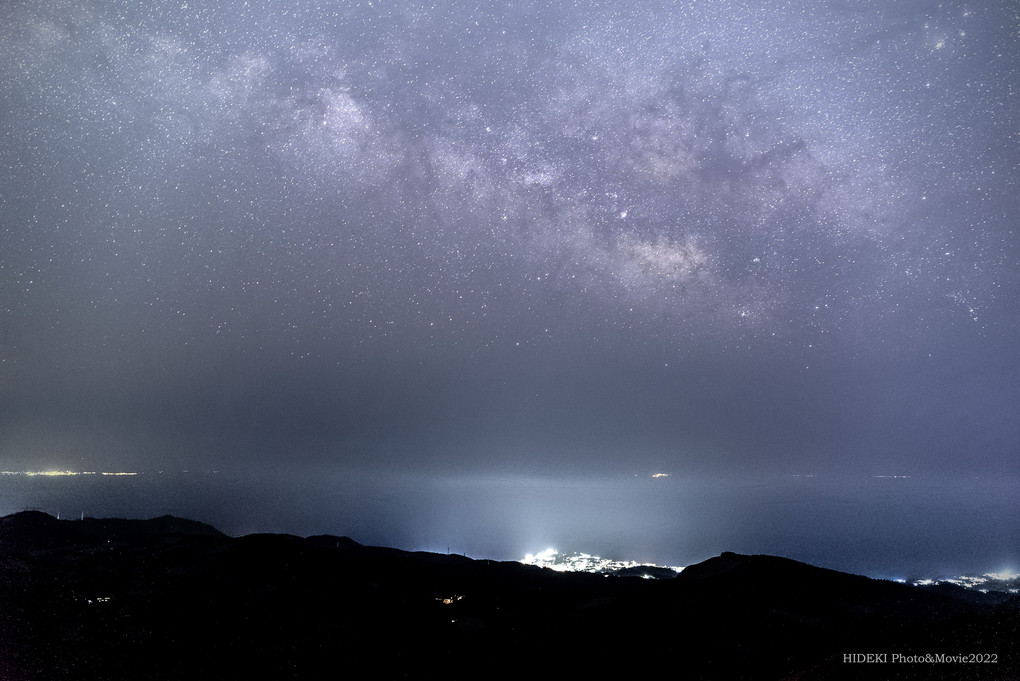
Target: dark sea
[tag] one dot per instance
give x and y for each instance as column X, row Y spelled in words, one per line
column 887, row 527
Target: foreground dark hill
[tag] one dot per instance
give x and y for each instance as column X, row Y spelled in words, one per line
column 175, row 599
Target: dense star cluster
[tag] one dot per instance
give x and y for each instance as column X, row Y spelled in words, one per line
column 544, row 235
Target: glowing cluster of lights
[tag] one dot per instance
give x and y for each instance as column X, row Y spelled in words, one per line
column 552, row 559
column 450, row 600
column 999, row 581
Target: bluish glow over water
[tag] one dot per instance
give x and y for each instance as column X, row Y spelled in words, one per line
column 889, row 527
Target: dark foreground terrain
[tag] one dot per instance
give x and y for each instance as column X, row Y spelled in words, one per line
column 175, row 599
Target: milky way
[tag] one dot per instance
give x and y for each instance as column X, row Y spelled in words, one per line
column 552, row 236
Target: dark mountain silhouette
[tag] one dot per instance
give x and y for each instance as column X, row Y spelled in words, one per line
column 175, row 599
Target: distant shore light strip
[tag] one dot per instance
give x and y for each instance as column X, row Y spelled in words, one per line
column 64, row 473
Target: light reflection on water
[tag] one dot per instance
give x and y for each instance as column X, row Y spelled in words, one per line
column 883, row 527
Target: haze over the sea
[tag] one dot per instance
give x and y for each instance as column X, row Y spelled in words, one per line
column 881, row 527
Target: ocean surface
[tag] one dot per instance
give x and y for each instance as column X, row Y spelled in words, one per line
column 888, row 527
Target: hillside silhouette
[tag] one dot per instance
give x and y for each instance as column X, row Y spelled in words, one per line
column 173, row 599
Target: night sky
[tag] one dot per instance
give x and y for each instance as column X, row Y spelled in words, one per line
column 564, row 239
